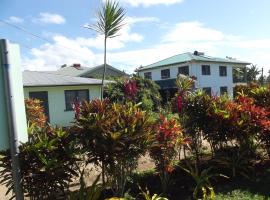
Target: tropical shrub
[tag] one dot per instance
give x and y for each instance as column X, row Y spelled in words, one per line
column 114, row 135
column 260, row 94
column 164, row 148
column 236, row 160
column 135, row 89
column 203, row 188
column 46, row 161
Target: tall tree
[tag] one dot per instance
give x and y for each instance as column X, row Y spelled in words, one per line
column 252, row 73
column 109, row 22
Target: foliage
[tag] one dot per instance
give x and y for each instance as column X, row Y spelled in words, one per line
column 135, row 89
column 252, row 73
column 236, row 161
column 203, row 188
column 194, row 117
column 90, row 193
column 147, row 196
column 46, row 161
column 114, row 135
column 163, row 150
column 35, row 115
column 109, row 23
column 260, row 94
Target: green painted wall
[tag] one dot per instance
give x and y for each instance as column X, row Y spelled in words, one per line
column 4, row 141
column 17, row 87
column 56, row 98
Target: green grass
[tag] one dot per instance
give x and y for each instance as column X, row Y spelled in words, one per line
column 240, row 195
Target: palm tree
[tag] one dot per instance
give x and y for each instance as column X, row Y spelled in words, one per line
column 109, row 22
column 252, row 73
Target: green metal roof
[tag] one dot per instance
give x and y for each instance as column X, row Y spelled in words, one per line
column 188, row 57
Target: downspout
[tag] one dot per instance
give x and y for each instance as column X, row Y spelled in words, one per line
column 12, row 128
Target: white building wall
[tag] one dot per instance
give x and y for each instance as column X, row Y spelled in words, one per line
column 56, row 101
column 214, row 80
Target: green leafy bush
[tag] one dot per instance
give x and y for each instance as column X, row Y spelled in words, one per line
column 114, row 135
column 46, row 161
column 135, row 89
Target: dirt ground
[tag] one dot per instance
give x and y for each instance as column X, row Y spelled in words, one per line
column 92, row 172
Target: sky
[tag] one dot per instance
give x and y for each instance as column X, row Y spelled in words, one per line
column 51, row 32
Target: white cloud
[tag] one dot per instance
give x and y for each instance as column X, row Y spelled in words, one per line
column 125, row 35
column 182, row 39
column 147, row 3
column 133, row 20
column 15, row 20
column 193, row 31
column 49, row 18
column 62, row 51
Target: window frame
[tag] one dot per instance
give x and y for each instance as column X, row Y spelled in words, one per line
column 165, row 77
column 147, row 75
column 221, row 72
column 221, row 88
column 77, row 92
column 184, row 67
column 204, row 72
column 205, row 90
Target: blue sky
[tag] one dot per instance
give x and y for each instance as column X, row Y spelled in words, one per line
column 154, row 30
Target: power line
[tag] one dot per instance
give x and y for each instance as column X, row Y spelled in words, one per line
column 36, row 35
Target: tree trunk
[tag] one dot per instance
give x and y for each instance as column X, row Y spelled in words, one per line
column 104, row 67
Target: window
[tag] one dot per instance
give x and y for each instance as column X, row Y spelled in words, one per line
column 148, row 75
column 165, row 73
column 183, row 70
column 72, row 96
column 222, row 71
column 206, row 70
column 207, row 90
column 223, row 90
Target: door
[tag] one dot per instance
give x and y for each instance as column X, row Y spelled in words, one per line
column 43, row 97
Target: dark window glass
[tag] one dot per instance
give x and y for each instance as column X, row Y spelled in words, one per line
column 222, row 71
column 165, row 73
column 72, row 96
column 208, row 90
column 148, row 75
column 206, row 70
column 184, row 70
column 223, row 90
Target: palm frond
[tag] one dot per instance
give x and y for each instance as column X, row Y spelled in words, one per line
column 110, row 19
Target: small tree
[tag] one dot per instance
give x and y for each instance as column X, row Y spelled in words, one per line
column 109, row 22
column 114, row 136
column 164, row 148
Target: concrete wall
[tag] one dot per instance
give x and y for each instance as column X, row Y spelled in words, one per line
column 56, row 100
column 17, row 90
column 215, row 81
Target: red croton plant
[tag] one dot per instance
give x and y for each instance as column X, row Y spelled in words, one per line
column 248, row 122
column 168, row 136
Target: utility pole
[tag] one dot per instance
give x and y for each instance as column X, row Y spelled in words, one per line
column 262, row 77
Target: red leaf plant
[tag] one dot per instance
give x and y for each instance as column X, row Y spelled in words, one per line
column 168, row 137
column 130, row 88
